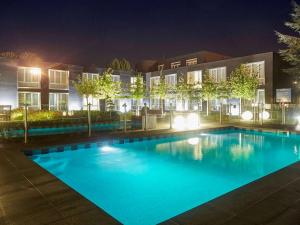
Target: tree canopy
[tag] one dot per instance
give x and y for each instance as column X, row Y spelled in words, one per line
column 292, row 52
column 120, row 64
column 243, row 83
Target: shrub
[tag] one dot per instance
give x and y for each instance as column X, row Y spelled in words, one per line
column 35, row 115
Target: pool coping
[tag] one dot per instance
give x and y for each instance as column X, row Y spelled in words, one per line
column 226, row 209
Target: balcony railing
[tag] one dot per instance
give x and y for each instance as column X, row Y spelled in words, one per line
column 29, row 84
column 58, row 86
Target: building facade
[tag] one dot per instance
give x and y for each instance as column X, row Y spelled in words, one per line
column 49, row 86
column 192, row 67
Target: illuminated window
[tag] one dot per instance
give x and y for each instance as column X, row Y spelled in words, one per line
column 160, row 67
column 90, row 76
column 260, row 96
column 29, row 77
column 175, row 64
column 218, row 74
column 154, row 103
column 58, row 79
column 194, row 77
column 190, row 62
column 154, row 81
column 58, row 101
column 95, row 103
column 116, row 78
column 32, row 99
column 171, row 80
column 258, row 69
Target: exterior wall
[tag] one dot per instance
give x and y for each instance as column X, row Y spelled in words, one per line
column 271, row 70
column 8, row 83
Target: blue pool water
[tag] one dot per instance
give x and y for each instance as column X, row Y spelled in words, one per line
column 150, row 181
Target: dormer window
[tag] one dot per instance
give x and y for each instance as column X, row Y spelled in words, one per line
column 190, row 62
column 175, row 64
column 160, row 67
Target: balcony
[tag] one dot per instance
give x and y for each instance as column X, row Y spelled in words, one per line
column 59, row 86
column 22, row 84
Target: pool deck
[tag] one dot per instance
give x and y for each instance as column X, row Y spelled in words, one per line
column 29, row 195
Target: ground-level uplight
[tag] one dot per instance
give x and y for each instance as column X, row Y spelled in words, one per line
column 191, row 121
column 265, row 115
column 247, row 115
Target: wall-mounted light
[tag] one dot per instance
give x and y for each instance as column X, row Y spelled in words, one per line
column 35, row 71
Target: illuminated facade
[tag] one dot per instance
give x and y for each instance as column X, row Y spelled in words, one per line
column 49, row 85
column 192, row 67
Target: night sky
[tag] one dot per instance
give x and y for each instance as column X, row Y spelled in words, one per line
column 94, row 32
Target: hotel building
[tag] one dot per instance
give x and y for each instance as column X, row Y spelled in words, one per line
column 50, row 85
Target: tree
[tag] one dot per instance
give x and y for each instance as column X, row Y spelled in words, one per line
column 209, row 90
column 120, row 64
column 138, row 90
column 87, row 88
column 125, row 65
column 27, row 58
column 160, row 91
column 243, row 84
column 115, row 64
column 183, row 91
column 292, row 53
column 109, row 89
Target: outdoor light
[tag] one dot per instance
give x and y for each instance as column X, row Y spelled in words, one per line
column 186, row 123
column 192, row 121
column 107, row 149
column 193, row 141
column 265, row 115
column 298, row 123
column 35, row 71
column 179, row 123
column 247, row 115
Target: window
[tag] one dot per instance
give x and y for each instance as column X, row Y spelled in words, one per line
column 90, row 76
column 218, row 74
column 32, row 99
column 170, row 104
column 194, row 77
column 171, row 80
column 160, row 67
column 116, row 103
column 58, row 101
column 260, row 96
column 133, row 80
column 175, row 65
column 190, row 62
column 154, row 103
column 58, row 79
column 154, row 81
column 116, row 78
column 258, row 68
column 95, row 103
column 29, row 77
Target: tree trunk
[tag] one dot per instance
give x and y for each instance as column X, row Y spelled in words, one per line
column 162, row 106
column 137, row 108
column 207, row 107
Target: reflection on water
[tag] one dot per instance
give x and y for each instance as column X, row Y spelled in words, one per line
column 236, row 151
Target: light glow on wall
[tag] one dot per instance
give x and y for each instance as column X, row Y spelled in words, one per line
column 191, row 121
column 35, row 71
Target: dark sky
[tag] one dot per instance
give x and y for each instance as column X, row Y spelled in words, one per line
column 86, row 32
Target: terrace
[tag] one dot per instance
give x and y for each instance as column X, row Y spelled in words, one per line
column 31, row 195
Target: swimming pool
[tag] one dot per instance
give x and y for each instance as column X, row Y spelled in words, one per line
column 146, row 182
